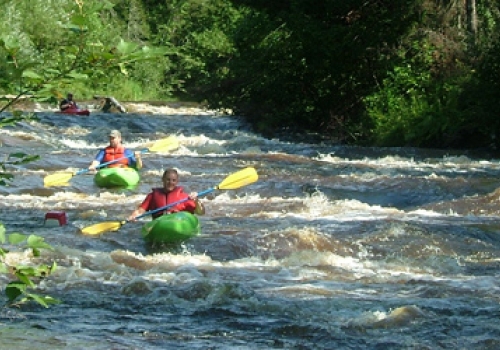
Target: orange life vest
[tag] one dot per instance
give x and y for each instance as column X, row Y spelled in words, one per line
column 111, row 154
column 160, row 199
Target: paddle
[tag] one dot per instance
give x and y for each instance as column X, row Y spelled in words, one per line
column 239, row 179
column 62, row 178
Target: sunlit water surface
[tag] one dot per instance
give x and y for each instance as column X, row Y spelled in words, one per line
column 334, row 247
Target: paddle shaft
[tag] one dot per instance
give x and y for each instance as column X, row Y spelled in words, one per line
column 200, row 194
column 231, row 182
column 83, row 171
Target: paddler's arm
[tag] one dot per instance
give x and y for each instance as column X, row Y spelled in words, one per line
column 98, row 159
column 136, row 213
column 140, row 209
column 138, row 160
column 200, row 208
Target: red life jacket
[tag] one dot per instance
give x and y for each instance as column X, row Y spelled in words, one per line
column 111, row 154
column 160, row 199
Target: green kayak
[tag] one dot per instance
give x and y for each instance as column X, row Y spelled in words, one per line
column 116, row 177
column 171, row 228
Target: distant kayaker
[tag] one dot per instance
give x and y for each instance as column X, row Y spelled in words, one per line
column 68, row 103
column 170, row 193
column 116, row 151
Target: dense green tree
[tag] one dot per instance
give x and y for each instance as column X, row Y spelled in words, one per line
column 59, row 55
column 199, row 33
column 310, row 66
column 373, row 72
column 50, row 47
column 440, row 93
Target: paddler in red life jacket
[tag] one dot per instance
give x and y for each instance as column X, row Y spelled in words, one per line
column 125, row 157
column 170, row 193
column 68, row 103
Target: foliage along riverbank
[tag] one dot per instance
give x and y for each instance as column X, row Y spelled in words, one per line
column 407, row 73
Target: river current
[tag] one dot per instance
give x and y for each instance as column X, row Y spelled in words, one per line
column 334, row 247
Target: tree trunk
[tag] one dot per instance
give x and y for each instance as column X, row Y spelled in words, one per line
column 471, row 20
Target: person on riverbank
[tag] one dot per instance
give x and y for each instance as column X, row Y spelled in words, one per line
column 171, row 192
column 68, row 103
column 116, row 151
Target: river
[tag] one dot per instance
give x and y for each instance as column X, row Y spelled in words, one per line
column 334, row 247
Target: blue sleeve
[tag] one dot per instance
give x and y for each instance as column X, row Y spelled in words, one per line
column 131, row 158
column 100, row 156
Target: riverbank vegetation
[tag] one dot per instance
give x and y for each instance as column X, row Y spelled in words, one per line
column 419, row 73
column 24, row 279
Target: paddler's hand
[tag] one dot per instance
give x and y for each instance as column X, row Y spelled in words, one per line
column 200, row 208
column 193, row 196
column 93, row 166
column 138, row 160
column 135, row 214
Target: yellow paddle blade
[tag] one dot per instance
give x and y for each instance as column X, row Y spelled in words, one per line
column 57, row 179
column 102, row 227
column 164, row 145
column 239, row 179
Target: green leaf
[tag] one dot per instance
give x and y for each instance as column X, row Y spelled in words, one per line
column 6, row 176
column 17, row 238
column 78, row 76
column 17, row 155
column 99, row 6
column 107, row 56
column 50, row 300
column 43, row 271
column 14, row 290
column 38, row 299
column 31, row 74
column 37, row 242
column 22, row 301
column 24, row 276
column 79, row 20
column 53, row 267
column 11, row 43
column 53, row 71
column 126, row 48
column 27, row 158
column 123, row 69
column 36, row 252
column 43, row 300
column 2, row 233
